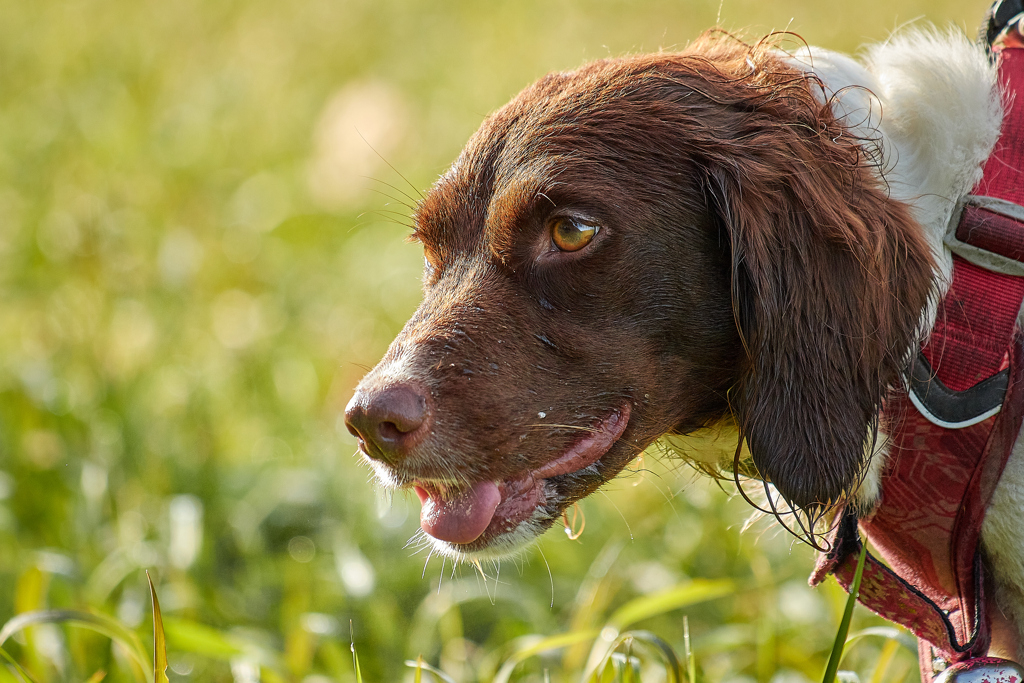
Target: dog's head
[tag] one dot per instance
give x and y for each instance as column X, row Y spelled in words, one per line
column 639, row 247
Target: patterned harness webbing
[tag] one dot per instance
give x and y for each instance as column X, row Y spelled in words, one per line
column 951, row 429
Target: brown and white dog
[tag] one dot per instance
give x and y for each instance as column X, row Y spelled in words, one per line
column 656, row 244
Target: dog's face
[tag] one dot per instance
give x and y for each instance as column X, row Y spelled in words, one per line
column 599, row 273
column 575, row 309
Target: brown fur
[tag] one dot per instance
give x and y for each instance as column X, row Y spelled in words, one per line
column 749, row 262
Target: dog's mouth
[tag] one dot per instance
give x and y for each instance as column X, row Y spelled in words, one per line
column 471, row 518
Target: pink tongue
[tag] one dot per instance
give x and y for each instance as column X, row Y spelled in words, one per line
column 462, row 519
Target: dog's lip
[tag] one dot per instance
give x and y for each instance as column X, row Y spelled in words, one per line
column 488, row 509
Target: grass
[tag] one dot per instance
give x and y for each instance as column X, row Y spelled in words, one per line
column 627, row 656
column 201, row 253
column 836, row 656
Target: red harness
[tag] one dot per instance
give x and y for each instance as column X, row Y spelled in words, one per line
column 952, row 428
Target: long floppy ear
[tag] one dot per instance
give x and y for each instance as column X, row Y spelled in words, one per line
column 830, row 282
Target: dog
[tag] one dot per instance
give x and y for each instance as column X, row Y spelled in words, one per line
column 660, row 244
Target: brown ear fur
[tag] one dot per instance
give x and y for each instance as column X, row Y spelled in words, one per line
column 830, row 280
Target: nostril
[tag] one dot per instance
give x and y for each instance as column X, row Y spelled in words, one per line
column 390, row 431
column 388, row 421
column 397, row 411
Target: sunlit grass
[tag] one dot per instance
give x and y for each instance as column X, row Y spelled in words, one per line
column 617, row 652
column 836, row 656
column 615, row 655
column 203, row 221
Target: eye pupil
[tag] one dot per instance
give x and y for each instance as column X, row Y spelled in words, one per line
column 571, row 235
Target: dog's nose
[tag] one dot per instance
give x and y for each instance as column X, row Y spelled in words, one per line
column 389, row 421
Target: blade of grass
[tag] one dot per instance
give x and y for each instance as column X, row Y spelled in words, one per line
column 97, row 677
column 159, row 642
column 420, row 665
column 901, row 637
column 189, row 636
column 93, row 621
column 543, row 645
column 592, row 599
column 669, row 658
column 885, row 658
column 644, row 607
column 691, row 663
column 630, row 672
column 692, row 592
column 844, row 625
column 17, row 667
column 355, row 657
column 901, row 670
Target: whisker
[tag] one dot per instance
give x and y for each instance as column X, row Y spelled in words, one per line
column 414, row 188
column 624, row 520
column 396, row 189
column 593, row 430
column 392, row 197
column 392, row 211
column 429, row 555
column 382, row 214
column 551, row 578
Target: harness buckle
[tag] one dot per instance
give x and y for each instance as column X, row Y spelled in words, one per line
column 979, row 218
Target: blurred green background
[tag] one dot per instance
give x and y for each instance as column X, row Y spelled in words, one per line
column 201, row 252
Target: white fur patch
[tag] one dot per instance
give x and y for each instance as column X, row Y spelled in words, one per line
column 930, row 101
column 942, row 114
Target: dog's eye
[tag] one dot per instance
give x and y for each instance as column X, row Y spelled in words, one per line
column 572, row 234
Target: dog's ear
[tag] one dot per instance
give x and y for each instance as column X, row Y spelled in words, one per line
column 830, row 281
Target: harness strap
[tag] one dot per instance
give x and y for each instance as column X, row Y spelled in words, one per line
column 952, row 430
column 1004, row 172
column 927, row 527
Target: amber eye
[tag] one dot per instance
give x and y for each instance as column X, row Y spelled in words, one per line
column 572, row 234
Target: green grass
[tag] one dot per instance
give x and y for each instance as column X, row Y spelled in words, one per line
column 615, row 655
column 200, row 256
